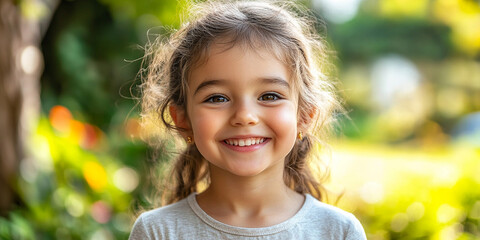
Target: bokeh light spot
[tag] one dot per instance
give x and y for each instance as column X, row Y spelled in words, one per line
column 31, row 59
column 446, row 175
column 77, row 131
column 125, row 179
column 89, row 137
column 74, row 205
column 446, row 213
column 95, row 175
column 101, row 212
column 415, row 211
column 399, row 222
column 451, row 232
column 372, row 192
column 394, row 79
column 102, row 234
column 338, row 11
column 60, row 118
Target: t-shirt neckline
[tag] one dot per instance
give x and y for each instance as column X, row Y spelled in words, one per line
column 243, row 231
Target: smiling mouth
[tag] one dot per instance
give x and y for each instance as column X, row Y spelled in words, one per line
column 244, row 141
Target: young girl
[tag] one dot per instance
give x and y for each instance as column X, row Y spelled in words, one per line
column 244, row 84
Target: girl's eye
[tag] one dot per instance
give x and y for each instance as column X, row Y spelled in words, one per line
column 269, row 97
column 216, row 99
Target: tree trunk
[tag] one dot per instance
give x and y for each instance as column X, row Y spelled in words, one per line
column 21, row 65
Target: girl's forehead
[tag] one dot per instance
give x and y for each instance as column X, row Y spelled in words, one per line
column 222, row 45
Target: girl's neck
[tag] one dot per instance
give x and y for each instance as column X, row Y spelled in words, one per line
column 257, row 201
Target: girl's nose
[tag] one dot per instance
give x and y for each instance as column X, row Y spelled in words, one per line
column 244, row 116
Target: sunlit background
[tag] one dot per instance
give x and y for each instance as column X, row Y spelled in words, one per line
column 406, row 163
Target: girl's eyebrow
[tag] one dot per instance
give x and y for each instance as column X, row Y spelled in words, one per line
column 276, row 81
column 266, row 80
column 207, row 84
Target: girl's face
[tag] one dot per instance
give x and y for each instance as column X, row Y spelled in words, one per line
column 242, row 111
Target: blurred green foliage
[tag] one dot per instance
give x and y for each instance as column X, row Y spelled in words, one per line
column 79, row 185
column 86, row 65
column 367, row 37
column 88, row 172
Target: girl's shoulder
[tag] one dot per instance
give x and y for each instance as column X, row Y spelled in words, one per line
column 167, row 212
column 318, row 208
column 154, row 224
column 328, row 218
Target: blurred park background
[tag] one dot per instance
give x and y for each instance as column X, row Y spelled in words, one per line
column 73, row 166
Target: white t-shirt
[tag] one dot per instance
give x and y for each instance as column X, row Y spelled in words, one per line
column 186, row 220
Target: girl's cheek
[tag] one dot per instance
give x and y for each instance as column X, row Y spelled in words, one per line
column 204, row 121
column 285, row 120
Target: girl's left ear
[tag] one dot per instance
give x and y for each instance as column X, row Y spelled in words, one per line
column 179, row 117
column 307, row 119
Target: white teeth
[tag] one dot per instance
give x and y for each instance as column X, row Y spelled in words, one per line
column 244, row 142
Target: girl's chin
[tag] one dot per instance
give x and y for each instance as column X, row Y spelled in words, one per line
column 247, row 171
column 244, row 172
